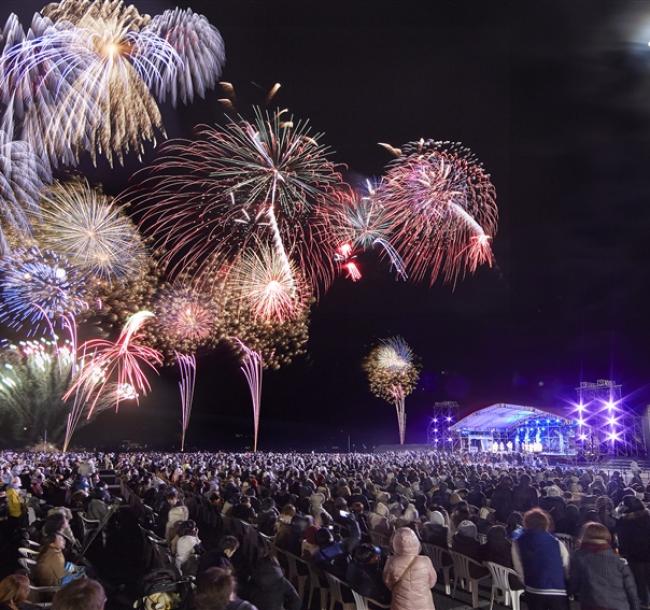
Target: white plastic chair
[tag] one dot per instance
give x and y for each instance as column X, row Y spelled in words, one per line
column 438, row 559
column 315, row 585
column 27, row 564
column 362, row 603
column 27, row 553
column 501, row 583
column 336, row 593
column 462, row 565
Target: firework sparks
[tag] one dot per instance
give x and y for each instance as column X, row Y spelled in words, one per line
column 201, row 48
column 22, row 175
column 442, row 206
column 121, row 362
column 247, row 181
column 84, row 225
column 253, row 368
column 393, row 374
column 187, row 366
column 271, row 289
column 38, row 286
column 83, row 76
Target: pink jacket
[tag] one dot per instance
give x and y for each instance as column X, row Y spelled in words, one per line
column 410, row 586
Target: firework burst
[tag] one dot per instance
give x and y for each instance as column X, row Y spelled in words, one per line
column 393, row 373
column 39, row 286
column 121, row 362
column 84, row 225
column 247, row 181
column 442, row 206
column 83, row 76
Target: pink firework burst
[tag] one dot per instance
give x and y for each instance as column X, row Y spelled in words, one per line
column 121, row 362
column 441, row 204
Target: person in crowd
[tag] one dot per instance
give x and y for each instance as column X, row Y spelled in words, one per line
column 84, row 594
column 288, row 538
column 465, row 542
column 599, row 577
column 220, row 556
column 524, row 496
column 187, row 551
column 364, row 573
column 502, row 499
column 331, row 556
column 216, row 590
column 268, row 588
column 542, row 563
column 408, row 575
column 51, row 568
column 498, row 549
column 16, row 509
column 633, row 533
column 14, row 591
column 514, row 525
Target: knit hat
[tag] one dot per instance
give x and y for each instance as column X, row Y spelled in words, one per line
column 467, row 528
column 436, row 518
column 553, row 491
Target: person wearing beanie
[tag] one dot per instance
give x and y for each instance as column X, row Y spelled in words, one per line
column 409, row 575
column 465, row 541
column 633, row 533
column 598, row 577
column 542, row 563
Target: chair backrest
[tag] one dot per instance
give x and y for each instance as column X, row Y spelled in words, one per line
column 500, row 575
column 461, row 565
column 436, row 555
column 335, row 587
column 359, row 601
column 27, row 553
column 26, row 564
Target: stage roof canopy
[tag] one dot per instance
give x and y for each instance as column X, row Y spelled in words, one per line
column 501, row 416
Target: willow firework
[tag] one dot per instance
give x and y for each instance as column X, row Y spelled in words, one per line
column 84, row 225
column 39, row 287
column 393, row 373
column 102, row 60
column 441, row 204
column 260, row 180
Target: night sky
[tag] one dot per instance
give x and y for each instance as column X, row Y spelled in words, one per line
column 554, row 98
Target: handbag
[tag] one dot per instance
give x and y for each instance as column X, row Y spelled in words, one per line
column 406, row 571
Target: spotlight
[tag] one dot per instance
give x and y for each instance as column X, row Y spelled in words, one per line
column 581, row 407
column 448, row 418
column 581, row 422
column 583, row 437
column 610, row 405
column 613, row 436
column 611, row 421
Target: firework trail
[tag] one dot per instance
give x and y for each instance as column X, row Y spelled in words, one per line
column 442, row 207
column 187, row 366
column 253, row 368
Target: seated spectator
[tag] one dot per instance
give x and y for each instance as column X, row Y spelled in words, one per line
column 216, row 591
column 542, row 563
column 14, row 591
column 268, row 588
column 524, row 495
column 515, row 525
column 465, row 542
column 85, row 594
column 408, row 575
column 331, row 555
column 50, row 564
column 435, row 531
column 267, row 518
column 599, row 577
column 633, row 532
column 498, row 549
column 186, row 548
column 364, row 573
column 219, row 557
column 287, row 537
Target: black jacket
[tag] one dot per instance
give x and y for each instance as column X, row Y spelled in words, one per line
column 633, row 531
column 367, row 580
column 270, row 590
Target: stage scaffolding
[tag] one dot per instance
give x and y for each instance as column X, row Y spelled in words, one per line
column 444, row 415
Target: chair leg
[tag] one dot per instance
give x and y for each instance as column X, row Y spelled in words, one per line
column 447, row 580
column 323, row 598
column 473, row 585
column 493, row 594
column 516, row 599
column 311, row 593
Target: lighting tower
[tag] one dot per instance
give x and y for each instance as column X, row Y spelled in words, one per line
column 444, row 415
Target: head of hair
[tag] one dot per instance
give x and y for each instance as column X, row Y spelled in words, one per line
column 597, row 533
column 215, row 587
column 53, row 524
column 324, row 537
column 496, row 534
column 537, row 519
column 14, row 590
column 364, row 553
column 228, row 543
column 81, row 594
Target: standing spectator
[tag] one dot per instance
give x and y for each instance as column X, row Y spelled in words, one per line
column 542, row 563
column 599, row 577
column 633, row 531
column 15, row 504
column 216, row 591
column 465, row 542
column 501, row 500
column 219, row 557
column 186, row 551
column 85, row 594
column 409, row 576
column 524, row 496
column 14, row 591
column 269, row 589
column 364, row 573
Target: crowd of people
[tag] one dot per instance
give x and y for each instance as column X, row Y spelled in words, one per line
column 213, row 531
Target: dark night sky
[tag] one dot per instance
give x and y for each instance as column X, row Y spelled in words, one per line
column 554, row 97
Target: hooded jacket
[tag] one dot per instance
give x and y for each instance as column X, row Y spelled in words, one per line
column 409, row 576
column 270, row 590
